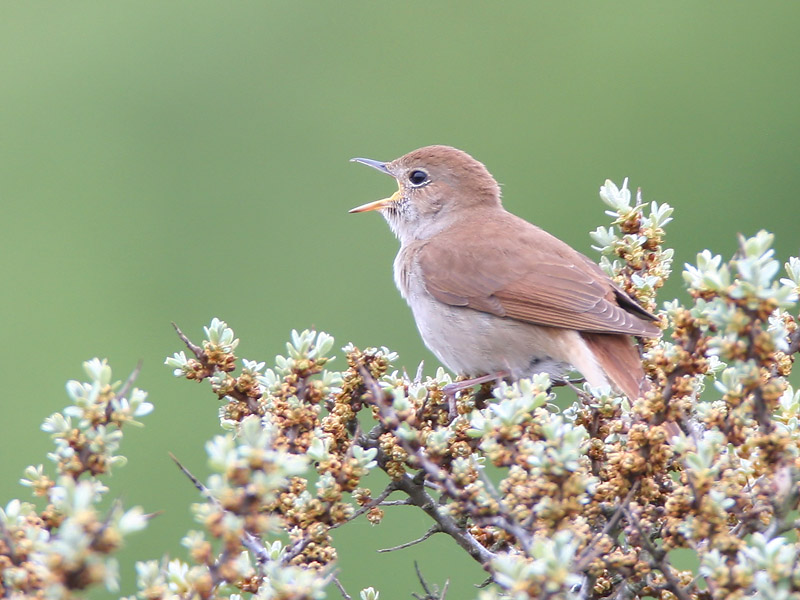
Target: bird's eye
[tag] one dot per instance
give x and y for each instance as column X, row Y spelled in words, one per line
column 417, row 177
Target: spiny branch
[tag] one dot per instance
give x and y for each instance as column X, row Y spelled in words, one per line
column 249, row 541
column 196, row 350
column 416, row 489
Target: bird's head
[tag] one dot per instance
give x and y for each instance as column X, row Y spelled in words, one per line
column 436, row 184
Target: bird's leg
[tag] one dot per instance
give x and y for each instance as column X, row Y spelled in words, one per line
column 451, row 390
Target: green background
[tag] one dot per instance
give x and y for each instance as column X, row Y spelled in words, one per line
column 175, row 161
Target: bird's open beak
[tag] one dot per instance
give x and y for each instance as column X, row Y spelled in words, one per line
column 375, row 164
column 378, row 204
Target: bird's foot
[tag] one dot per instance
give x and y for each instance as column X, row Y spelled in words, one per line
column 570, row 383
column 566, row 381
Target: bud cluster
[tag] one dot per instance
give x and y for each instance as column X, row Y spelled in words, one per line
column 64, row 543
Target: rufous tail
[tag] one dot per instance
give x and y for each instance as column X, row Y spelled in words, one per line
column 620, row 361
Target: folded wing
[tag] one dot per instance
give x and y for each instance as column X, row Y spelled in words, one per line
column 531, row 276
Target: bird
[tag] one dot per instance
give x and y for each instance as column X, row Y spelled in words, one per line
column 495, row 296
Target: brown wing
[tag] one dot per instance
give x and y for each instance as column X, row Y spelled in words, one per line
column 529, row 275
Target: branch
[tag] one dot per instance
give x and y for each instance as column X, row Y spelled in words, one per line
column 416, row 490
column 419, row 497
column 433, row 470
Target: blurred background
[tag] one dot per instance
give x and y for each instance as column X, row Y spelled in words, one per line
column 178, row 161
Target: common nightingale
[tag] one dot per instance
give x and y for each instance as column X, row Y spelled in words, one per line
column 495, row 295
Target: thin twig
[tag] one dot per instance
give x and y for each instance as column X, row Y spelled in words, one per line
column 422, row 581
column 196, row 350
column 126, row 387
column 425, row 536
column 295, row 550
column 339, row 585
column 379, row 501
column 195, row 481
column 429, row 594
column 115, row 506
column 123, row 391
column 396, row 503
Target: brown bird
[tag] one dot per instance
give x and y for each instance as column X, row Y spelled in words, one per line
column 495, row 295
